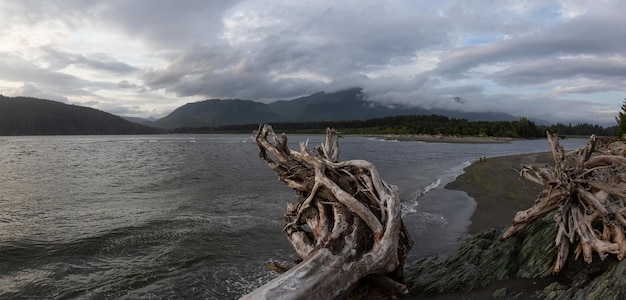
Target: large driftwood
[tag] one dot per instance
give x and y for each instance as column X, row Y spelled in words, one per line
column 346, row 225
column 587, row 188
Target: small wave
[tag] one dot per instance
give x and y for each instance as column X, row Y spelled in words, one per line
column 237, row 282
column 456, row 171
column 427, row 221
column 412, row 204
column 433, row 185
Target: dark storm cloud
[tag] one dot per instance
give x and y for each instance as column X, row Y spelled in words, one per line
column 269, row 61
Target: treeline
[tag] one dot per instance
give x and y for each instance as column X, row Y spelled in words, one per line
column 421, row 124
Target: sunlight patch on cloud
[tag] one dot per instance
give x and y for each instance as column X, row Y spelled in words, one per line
column 22, row 37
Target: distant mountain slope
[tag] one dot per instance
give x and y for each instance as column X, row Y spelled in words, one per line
column 343, row 105
column 351, row 104
column 142, row 121
column 32, row 116
column 210, row 113
column 318, row 105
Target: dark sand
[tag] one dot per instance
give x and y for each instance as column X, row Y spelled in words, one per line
column 499, row 193
column 498, row 190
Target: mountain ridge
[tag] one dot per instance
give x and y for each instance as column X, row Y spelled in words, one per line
column 33, row 116
column 344, row 105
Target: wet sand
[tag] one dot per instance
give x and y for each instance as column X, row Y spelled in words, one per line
column 499, row 193
column 497, row 188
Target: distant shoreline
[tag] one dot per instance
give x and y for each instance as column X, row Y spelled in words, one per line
column 444, row 138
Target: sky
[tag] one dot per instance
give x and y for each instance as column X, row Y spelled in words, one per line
column 554, row 60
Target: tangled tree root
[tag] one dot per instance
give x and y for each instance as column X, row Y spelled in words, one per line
column 346, row 225
column 587, row 188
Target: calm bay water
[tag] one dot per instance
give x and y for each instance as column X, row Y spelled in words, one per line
column 183, row 216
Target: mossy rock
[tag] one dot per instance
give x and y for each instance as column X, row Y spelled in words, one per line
column 484, row 259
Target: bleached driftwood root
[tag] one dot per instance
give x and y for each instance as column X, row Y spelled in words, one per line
column 346, row 226
column 587, row 188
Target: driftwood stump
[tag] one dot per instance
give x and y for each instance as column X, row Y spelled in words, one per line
column 346, row 225
column 587, row 188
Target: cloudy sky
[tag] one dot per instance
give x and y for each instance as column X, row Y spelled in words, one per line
column 558, row 60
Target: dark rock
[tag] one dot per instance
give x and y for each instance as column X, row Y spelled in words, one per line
column 484, row 259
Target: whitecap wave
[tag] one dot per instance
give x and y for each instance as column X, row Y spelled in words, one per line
column 411, row 205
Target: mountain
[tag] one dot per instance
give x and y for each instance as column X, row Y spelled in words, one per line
column 323, row 106
column 211, row 113
column 143, row 121
column 346, row 105
column 32, row 116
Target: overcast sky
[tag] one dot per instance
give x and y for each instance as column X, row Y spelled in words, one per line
column 561, row 61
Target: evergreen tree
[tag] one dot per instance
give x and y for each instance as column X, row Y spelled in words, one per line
column 621, row 121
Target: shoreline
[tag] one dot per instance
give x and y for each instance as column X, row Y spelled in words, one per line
column 499, row 194
column 498, row 190
column 444, row 138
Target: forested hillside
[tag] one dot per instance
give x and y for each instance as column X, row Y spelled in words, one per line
column 345, row 105
column 31, row 116
column 218, row 112
column 425, row 124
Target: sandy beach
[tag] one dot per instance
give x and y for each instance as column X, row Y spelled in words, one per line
column 497, row 188
column 499, row 193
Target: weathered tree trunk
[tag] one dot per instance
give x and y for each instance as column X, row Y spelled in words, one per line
column 587, row 187
column 346, row 226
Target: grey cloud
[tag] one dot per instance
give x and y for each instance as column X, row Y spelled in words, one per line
column 251, row 86
column 334, row 44
column 336, row 40
column 97, row 61
column 198, row 60
column 164, row 23
column 545, row 70
column 29, row 89
column 268, row 50
column 125, row 84
column 581, row 36
column 15, row 68
column 586, row 89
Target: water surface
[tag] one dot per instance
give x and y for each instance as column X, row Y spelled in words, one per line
column 190, row 216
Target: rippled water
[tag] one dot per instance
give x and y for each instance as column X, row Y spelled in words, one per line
column 182, row 216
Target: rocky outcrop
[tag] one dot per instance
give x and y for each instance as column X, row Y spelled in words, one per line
column 484, row 259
